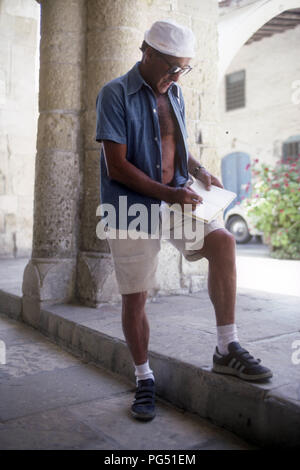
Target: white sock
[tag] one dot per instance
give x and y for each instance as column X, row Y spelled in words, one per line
column 226, row 334
column 143, row 372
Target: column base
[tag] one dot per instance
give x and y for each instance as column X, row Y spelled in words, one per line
column 46, row 281
column 96, row 281
column 49, row 279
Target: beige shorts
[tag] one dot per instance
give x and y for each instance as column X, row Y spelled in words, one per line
column 136, row 260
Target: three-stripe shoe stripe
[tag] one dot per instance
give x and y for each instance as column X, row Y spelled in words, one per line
column 232, row 362
column 235, row 364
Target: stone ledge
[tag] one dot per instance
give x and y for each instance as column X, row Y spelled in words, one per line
column 251, row 411
column 11, row 304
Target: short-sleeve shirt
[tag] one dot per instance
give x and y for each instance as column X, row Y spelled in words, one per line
column 127, row 113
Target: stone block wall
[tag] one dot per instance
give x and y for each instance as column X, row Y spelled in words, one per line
column 19, row 26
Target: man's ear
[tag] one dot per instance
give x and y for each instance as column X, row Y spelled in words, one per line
column 149, row 52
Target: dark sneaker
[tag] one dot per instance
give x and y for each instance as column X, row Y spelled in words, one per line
column 240, row 363
column 143, row 406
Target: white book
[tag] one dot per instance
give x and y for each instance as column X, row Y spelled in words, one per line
column 214, row 201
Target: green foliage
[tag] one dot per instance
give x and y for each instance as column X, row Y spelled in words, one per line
column 274, row 206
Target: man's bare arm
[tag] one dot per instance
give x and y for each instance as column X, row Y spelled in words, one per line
column 203, row 175
column 121, row 170
column 192, row 164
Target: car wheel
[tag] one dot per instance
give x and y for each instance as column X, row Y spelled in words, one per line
column 239, row 229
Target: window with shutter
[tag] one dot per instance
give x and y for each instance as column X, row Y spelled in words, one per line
column 291, row 148
column 235, row 90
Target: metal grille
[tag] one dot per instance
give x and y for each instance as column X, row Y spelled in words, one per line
column 291, row 150
column 235, row 90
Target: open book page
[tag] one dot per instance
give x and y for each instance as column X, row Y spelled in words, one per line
column 214, row 201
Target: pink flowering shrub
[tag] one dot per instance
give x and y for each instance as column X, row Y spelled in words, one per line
column 274, row 206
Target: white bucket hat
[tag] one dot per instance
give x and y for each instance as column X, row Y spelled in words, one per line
column 170, row 38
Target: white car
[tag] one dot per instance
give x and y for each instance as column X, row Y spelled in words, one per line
column 239, row 224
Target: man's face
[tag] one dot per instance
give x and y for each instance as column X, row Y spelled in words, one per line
column 159, row 66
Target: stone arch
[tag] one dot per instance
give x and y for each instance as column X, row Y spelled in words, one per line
column 236, row 27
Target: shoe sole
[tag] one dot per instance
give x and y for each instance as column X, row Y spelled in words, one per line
column 142, row 417
column 230, row 371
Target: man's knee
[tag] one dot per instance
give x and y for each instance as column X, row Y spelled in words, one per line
column 134, row 303
column 220, row 242
column 229, row 239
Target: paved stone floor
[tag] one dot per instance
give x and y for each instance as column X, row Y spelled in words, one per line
column 52, row 400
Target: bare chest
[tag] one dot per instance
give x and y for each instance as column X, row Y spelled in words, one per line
column 166, row 117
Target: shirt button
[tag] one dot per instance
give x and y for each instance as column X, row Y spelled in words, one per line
column 154, row 110
column 157, row 166
column 156, row 139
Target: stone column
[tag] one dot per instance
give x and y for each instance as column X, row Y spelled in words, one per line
column 50, row 275
column 114, row 34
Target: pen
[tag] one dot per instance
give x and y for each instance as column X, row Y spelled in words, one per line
column 193, row 199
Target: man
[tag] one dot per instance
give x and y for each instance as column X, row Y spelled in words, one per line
column 141, row 122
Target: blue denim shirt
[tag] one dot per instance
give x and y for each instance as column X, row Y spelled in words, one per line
column 127, row 114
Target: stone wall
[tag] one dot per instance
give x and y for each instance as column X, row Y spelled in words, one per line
column 270, row 115
column 19, row 25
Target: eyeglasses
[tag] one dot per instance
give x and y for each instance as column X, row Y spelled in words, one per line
column 175, row 68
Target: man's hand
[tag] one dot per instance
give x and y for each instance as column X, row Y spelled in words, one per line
column 185, row 196
column 208, row 179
